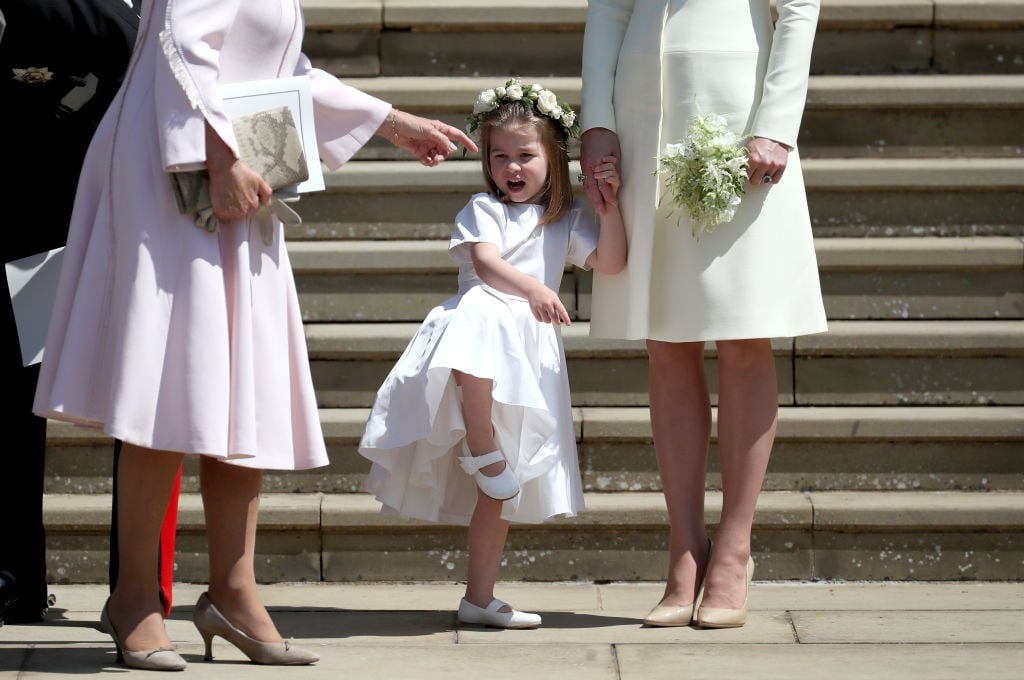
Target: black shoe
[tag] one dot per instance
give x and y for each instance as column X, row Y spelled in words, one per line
column 14, row 609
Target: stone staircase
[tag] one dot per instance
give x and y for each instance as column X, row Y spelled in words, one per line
column 900, row 452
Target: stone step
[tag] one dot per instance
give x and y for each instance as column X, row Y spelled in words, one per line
column 847, row 197
column 867, row 115
column 864, row 363
column 850, row 448
column 886, row 535
column 459, row 37
column 898, row 278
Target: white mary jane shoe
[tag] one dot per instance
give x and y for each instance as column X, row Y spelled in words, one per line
column 500, row 487
column 470, row 613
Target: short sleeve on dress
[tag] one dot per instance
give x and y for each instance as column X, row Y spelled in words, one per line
column 583, row 234
column 479, row 222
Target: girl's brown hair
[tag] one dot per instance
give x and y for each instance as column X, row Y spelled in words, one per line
column 557, row 197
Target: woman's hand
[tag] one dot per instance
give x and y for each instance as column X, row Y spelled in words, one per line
column 596, row 146
column 429, row 140
column 768, row 159
column 236, row 190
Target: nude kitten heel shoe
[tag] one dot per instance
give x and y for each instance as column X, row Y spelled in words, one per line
column 666, row 616
column 470, row 613
column 500, row 487
column 162, row 659
column 211, row 622
column 714, row 617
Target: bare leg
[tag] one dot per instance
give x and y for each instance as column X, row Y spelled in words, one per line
column 487, row 534
column 145, row 481
column 231, row 500
column 747, row 420
column 477, row 401
column 681, row 425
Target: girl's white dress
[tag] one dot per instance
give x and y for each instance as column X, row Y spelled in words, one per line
column 415, row 431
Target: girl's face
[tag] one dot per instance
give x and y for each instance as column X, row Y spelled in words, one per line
column 519, row 164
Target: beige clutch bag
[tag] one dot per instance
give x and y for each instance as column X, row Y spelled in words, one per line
column 269, row 143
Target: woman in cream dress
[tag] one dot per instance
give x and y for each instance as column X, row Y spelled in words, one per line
column 648, row 68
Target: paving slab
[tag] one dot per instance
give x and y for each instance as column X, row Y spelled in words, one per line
column 591, row 630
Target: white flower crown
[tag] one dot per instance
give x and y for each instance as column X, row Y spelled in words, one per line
column 541, row 100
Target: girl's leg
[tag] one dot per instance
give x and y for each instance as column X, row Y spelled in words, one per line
column 747, row 420
column 487, row 534
column 145, row 480
column 681, row 426
column 477, row 401
column 231, row 499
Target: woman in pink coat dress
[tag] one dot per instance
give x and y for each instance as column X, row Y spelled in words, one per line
column 179, row 341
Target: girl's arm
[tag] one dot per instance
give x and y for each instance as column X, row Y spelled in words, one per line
column 610, row 255
column 545, row 304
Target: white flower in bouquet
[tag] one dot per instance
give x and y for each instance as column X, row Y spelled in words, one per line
column 706, row 172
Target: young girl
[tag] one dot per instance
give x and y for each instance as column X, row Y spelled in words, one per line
column 474, row 423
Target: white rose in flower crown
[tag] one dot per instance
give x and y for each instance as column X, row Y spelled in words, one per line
column 486, row 101
column 546, row 101
column 568, row 118
column 515, row 92
column 499, row 92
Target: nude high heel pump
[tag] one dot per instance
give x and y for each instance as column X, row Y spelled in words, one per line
column 715, row 617
column 161, row 659
column 664, row 616
column 211, row 622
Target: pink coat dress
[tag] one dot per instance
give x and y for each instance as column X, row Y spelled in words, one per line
column 164, row 335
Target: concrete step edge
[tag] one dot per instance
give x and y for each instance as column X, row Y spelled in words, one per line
column 878, row 338
column 898, row 253
column 851, row 174
column 571, row 14
column 452, row 94
column 796, row 423
column 913, row 511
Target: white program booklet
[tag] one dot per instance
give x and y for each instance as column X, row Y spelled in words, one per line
column 32, row 282
column 294, row 92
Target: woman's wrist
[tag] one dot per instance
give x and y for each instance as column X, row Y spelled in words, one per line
column 389, row 128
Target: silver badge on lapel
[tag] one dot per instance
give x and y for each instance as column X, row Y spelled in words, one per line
column 32, row 74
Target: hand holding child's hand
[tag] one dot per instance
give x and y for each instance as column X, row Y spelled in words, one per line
column 608, row 180
column 546, row 306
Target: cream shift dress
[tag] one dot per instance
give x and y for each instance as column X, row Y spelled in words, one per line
column 757, row 275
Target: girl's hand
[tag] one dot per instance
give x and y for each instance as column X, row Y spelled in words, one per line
column 546, row 306
column 596, row 144
column 236, row 190
column 608, row 180
column 768, row 158
column 429, row 140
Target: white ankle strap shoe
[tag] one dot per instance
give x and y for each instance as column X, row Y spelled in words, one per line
column 491, row 616
column 500, row 487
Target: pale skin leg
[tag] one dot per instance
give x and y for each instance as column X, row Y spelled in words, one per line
column 487, row 531
column 681, row 425
column 145, row 482
column 747, row 421
column 231, row 500
column 487, row 534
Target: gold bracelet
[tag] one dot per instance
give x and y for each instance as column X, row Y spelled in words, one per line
column 394, row 125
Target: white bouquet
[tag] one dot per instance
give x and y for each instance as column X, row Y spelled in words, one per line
column 706, row 172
